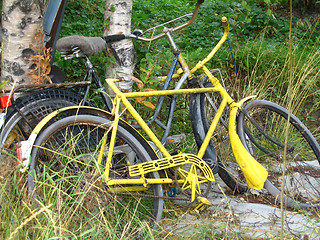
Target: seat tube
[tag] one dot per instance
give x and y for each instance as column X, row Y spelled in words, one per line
column 112, row 140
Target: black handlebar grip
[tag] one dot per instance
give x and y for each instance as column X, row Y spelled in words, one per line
column 114, row 38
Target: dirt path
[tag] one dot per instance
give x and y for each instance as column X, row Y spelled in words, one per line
column 237, row 219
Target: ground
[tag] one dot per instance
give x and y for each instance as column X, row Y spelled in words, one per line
column 232, row 217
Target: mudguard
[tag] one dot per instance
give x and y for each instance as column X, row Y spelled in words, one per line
column 24, row 148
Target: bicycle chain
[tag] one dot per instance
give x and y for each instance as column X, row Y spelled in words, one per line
column 151, row 196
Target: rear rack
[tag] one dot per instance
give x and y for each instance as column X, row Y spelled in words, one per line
column 26, row 88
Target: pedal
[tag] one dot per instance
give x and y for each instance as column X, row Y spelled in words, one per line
column 199, row 205
column 176, row 138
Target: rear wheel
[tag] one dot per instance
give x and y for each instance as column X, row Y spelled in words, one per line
column 264, row 126
column 65, row 166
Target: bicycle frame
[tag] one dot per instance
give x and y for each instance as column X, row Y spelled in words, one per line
column 254, row 172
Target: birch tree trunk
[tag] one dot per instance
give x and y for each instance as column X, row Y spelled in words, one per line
column 117, row 19
column 20, row 21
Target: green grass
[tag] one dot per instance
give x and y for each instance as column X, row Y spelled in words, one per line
column 86, row 215
column 91, row 218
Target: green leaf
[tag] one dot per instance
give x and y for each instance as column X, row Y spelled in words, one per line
column 269, row 12
column 3, row 84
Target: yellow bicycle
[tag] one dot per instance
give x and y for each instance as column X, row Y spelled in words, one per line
column 77, row 150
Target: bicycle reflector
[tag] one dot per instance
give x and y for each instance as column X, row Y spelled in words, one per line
column 23, row 150
column 5, row 102
column 19, row 151
column 176, row 138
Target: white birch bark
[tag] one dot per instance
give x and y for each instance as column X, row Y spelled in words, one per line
column 117, row 19
column 20, row 21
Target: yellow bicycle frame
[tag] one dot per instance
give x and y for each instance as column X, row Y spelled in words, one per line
column 254, row 172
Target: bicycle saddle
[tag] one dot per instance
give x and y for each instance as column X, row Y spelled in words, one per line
column 90, row 46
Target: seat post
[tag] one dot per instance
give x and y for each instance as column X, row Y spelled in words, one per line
column 88, row 63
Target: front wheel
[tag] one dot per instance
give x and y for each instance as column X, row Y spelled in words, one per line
column 65, row 168
column 286, row 148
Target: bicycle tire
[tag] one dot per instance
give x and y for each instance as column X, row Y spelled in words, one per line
column 62, row 161
column 267, row 130
column 29, row 110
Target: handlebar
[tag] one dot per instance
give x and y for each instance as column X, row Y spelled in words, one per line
column 200, row 64
column 114, row 38
column 118, row 37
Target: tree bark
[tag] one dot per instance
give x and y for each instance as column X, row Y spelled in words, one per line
column 117, row 19
column 21, row 19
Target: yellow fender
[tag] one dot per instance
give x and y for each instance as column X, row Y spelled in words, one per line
column 254, row 172
column 28, row 144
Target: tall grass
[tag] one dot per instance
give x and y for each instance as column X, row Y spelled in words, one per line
column 264, row 70
column 91, row 213
column 85, row 215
